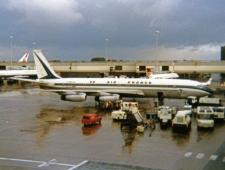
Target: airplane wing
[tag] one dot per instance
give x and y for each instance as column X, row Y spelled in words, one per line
column 25, row 79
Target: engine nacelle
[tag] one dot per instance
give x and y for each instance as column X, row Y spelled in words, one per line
column 109, row 98
column 74, row 97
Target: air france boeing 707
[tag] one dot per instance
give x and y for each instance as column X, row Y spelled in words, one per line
column 110, row 89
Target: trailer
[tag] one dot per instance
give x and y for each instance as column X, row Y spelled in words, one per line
column 203, row 101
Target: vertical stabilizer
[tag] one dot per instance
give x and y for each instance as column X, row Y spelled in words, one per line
column 24, row 58
column 44, row 70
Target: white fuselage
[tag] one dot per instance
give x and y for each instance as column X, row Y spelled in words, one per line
column 133, row 87
column 11, row 73
column 164, row 76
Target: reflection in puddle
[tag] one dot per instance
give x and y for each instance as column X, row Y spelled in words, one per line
column 130, row 137
column 50, row 118
column 204, row 134
column 90, row 130
column 181, row 139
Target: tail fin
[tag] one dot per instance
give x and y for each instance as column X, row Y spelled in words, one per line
column 24, row 58
column 208, row 82
column 44, row 70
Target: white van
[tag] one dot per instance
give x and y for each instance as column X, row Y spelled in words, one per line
column 182, row 121
column 205, row 117
column 219, row 112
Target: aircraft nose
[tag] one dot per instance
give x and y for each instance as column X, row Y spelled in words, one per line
column 207, row 89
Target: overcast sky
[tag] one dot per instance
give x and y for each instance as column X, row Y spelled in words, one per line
column 81, row 29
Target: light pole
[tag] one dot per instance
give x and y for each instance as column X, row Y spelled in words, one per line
column 11, row 48
column 34, row 44
column 106, row 48
column 157, row 34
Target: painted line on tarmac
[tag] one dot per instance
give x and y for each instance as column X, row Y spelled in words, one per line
column 46, row 164
column 188, row 154
column 200, row 155
column 21, row 160
column 213, row 157
column 223, row 159
column 78, row 165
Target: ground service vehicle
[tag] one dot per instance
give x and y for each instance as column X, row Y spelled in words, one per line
column 165, row 115
column 205, row 117
column 219, row 113
column 129, row 105
column 188, row 109
column 91, row 119
column 118, row 115
column 181, row 121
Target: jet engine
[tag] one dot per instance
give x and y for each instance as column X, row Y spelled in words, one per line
column 74, row 97
column 113, row 97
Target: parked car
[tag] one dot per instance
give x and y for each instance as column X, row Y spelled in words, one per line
column 91, row 119
column 205, row 117
column 181, row 121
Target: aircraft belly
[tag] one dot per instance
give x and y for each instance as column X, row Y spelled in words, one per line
column 168, row 92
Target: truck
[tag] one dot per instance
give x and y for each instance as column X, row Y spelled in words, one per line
column 205, row 117
column 181, row 121
column 91, row 119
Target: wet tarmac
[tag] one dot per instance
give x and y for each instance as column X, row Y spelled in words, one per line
column 39, row 131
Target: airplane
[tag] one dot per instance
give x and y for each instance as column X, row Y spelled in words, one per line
column 19, row 71
column 24, row 58
column 163, row 75
column 112, row 89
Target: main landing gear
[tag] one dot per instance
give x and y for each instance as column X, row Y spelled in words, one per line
column 160, row 97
